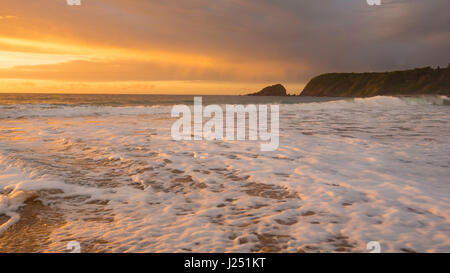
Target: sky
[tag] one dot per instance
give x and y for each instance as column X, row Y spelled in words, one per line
column 211, row 46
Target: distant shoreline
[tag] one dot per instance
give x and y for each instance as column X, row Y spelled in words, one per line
column 413, row 82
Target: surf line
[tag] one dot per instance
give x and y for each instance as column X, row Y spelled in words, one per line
column 214, row 128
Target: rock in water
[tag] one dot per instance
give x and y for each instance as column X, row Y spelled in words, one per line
column 274, row 90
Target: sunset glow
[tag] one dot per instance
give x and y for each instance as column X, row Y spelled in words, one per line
column 180, row 47
column 236, row 128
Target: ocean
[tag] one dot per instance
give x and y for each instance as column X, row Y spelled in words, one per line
column 104, row 171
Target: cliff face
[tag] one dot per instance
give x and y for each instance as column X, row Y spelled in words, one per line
column 274, row 90
column 417, row 81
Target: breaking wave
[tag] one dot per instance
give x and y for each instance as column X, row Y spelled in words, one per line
column 57, row 110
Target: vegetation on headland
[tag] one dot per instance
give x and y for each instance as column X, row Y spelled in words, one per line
column 419, row 81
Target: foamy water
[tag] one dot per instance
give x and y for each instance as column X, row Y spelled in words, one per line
column 347, row 172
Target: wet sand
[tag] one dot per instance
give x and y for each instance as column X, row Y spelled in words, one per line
column 32, row 232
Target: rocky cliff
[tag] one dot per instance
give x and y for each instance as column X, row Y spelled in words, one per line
column 419, row 81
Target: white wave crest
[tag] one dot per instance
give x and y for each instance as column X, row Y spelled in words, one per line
column 48, row 110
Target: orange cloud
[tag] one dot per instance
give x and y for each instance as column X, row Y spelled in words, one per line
column 227, row 42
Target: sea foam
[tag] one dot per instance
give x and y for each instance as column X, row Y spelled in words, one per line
column 346, row 172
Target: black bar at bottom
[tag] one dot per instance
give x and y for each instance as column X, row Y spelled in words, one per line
column 232, row 262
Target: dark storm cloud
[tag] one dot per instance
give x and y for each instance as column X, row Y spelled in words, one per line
column 319, row 36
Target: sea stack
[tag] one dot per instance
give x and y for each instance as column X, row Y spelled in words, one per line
column 274, row 90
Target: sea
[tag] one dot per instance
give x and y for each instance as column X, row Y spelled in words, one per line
column 104, row 172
